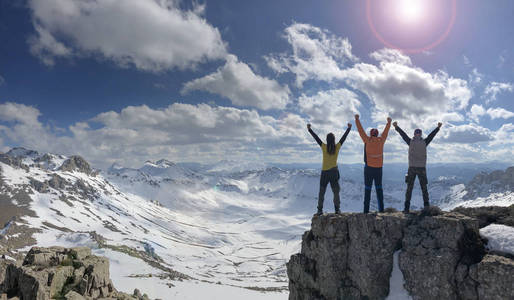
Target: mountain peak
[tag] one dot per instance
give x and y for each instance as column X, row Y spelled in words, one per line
column 21, row 152
column 76, row 163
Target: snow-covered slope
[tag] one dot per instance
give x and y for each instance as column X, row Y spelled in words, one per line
column 218, row 225
column 485, row 189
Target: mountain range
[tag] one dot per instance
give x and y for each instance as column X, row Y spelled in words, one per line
column 195, row 230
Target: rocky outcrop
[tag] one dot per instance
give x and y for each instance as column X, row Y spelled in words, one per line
column 77, row 163
column 61, row 273
column 441, row 256
column 483, row 183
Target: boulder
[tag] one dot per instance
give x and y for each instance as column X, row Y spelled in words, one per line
column 62, row 273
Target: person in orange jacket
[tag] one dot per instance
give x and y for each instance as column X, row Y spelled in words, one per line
column 374, row 160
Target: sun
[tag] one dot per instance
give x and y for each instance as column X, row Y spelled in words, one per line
column 410, row 11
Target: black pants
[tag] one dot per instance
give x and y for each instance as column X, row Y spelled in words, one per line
column 421, row 172
column 327, row 176
column 373, row 174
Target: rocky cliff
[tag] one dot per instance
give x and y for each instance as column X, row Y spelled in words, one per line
column 60, row 273
column 441, row 256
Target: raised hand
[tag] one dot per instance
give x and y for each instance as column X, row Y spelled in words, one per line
column 349, row 125
column 308, row 126
column 356, row 116
column 439, row 124
column 389, row 120
column 395, row 124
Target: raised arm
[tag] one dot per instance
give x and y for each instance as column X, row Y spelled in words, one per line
column 362, row 133
column 343, row 138
column 386, row 129
column 431, row 136
column 402, row 133
column 314, row 135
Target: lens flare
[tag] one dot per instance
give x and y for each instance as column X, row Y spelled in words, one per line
column 410, row 10
column 411, row 26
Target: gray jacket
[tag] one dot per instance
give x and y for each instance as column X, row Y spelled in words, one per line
column 417, row 147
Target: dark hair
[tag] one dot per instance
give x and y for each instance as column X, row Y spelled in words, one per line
column 331, row 143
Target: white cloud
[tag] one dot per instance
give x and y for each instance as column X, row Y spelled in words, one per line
column 316, row 54
column 333, row 108
column 180, row 132
column 19, row 113
column 475, row 77
column 387, row 55
column 494, row 113
column 394, row 86
column 237, row 82
column 466, row 134
column 494, row 88
column 499, row 113
column 152, row 35
column 476, row 112
column 408, row 93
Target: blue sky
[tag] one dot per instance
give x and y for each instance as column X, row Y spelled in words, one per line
column 126, row 81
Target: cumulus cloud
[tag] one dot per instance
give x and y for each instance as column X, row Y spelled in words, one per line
column 478, row 111
column 494, row 88
column 181, row 132
column 466, row 134
column 316, row 54
column 406, row 92
column 394, row 85
column 237, row 82
column 152, row 35
column 333, row 108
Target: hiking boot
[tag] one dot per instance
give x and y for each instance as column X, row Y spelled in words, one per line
column 406, row 211
column 338, row 211
column 319, row 213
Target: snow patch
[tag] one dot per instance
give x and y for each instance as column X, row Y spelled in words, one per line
column 396, row 289
column 500, row 238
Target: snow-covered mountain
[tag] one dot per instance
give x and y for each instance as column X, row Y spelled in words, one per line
column 228, row 229
column 485, row 189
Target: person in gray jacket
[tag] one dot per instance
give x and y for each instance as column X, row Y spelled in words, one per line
column 417, row 162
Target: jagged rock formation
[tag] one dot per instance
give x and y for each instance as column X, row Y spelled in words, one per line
column 483, row 183
column 77, row 163
column 350, row 256
column 61, row 273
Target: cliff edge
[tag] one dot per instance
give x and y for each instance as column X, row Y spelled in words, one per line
column 441, row 256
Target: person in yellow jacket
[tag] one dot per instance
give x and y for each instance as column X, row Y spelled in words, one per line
column 329, row 170
column 373, row 160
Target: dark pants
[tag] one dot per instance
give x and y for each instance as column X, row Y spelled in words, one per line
column 421, row 172
column 373, row 174
column 327, row 176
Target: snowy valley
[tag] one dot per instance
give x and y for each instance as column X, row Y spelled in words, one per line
column 224, row 230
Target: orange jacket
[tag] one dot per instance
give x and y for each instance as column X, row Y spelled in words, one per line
column 374, row 145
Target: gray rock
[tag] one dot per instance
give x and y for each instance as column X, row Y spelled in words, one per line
column 76, row 163
column 442, row 256
column 72, row 295
column 59, row 272
column 346, row 256
column 495, row 277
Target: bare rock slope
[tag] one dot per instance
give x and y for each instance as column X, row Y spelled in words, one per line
column 442, row 256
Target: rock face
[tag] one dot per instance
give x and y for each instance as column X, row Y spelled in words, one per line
column 77, row 163
column 482, row 184
column 61, row 273
column 350, row 256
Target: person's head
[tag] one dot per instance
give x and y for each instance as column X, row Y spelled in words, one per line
column 331, row 143
column 373, row 132
column 418, row 132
